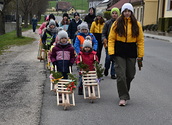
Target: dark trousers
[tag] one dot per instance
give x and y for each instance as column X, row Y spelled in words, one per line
column 34, row 27
column 100, row 44
column 109, row 63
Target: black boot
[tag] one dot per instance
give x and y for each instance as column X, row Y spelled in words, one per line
column 106, row 72
column 80, row 90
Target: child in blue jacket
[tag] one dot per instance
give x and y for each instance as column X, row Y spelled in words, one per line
column 82, row 35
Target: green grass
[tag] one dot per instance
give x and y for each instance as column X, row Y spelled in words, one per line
column 28, row 28
column 77, row 4
column 9, row 39
column 42, row 20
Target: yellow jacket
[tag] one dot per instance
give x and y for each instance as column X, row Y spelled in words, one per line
column 113, row 38
column 96, row 28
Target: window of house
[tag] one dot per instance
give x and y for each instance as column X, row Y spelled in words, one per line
column 141, row 14
column 138, row 14
column 169, row 4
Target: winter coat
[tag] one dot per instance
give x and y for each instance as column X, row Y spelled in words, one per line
column 42, row 27
column 87, row 58
column 96, row 28
column 34, row 21
column 106, row 28
column 128, row 46
column 80, row 40
column 63, row 57
column 89, row 19
column 73, row 28
column 49, row 33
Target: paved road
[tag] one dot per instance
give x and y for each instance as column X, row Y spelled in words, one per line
column 150, row 102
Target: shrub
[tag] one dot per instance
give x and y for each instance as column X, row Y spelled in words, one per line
column 154, row 27
column 107, row 15
column 169, row 29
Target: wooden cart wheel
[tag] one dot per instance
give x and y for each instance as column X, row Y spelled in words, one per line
column 91, row 101
column 65, row 108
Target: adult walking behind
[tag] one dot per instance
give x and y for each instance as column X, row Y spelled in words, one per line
column 90, row 17
column 106, row 29
column 34, row 23
column 125, row 45
column 73, row 25
column 96, row 29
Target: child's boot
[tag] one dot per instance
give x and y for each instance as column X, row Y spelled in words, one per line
column 80, row 90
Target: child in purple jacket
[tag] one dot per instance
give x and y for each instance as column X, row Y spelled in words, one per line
column 63, row 54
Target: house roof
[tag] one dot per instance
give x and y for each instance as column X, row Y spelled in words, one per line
column 121, row 2
column 118, row 4
column 63, row 6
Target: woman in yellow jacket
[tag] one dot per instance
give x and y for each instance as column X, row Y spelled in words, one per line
column 125, row 46
column 96, row 29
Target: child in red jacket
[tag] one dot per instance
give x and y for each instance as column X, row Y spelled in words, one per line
column 87, row 56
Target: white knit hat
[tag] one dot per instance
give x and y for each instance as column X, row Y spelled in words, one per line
column 52, row 22
column 87, row 43
column 62, row 34
column 83, row 25
column 127, row 6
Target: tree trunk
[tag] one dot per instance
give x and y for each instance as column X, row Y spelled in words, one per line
column 25, row 20
column 2, row 23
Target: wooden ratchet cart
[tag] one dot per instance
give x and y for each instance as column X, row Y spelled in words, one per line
column 91, row 88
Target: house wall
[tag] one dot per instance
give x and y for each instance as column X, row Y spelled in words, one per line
column 138, row 12
column 167, row 13
column 94, row 3
column 150, row 12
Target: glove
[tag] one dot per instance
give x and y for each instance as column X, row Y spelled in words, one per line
column 139, row 62
column 112, row 57
column 105, row 43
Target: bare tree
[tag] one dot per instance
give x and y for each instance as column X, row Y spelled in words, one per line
column 39, row 8
column 2, row 16
column 31, row 7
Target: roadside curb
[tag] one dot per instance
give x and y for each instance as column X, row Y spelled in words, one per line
column 159, row 37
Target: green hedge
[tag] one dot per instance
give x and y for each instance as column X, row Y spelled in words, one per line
column 161, row 24
column 168, row 23
column 107, row 15
column 164, row 24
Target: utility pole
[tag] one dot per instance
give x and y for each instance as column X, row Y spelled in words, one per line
column 18, row 27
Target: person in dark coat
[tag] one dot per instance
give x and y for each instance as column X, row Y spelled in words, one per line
column 90, row 17
column 34, row 23
column 51, row 16
column 106, row 29
column 73, row 25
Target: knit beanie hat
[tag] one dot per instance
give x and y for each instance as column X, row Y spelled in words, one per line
column 52, row 22
column 99, row 13
column 115, row 9
column 76, row 14
column 87, row 43
column 62, row 34
column 65, row 15
column 51, row 16
column 127, row 6
column 84, row 25
column 88, row 38
column 78, row 27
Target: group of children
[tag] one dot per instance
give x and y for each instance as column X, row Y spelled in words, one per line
column 63, row 54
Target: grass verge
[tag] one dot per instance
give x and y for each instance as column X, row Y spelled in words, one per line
column 10, row 39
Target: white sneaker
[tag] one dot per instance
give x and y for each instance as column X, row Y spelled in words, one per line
column 122, row 102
